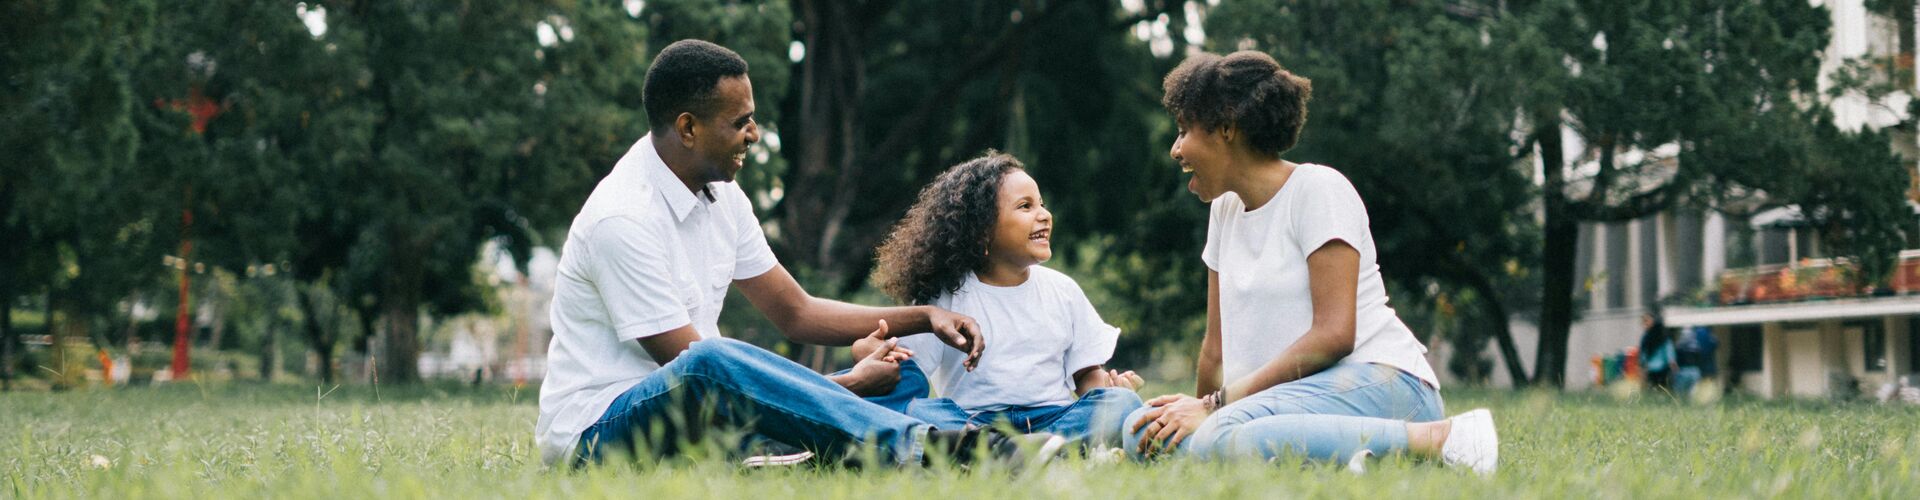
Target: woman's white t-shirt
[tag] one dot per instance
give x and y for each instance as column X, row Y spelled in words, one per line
column 1037, row 333
column 1265, row 301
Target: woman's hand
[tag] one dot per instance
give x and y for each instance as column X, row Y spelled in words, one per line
column 1172, row 419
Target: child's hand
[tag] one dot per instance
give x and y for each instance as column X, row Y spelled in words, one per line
column 877, row 341
column 1128, row 379
column 878, row 369
column 1098, row 377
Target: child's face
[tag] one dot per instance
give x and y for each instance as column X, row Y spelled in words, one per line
column 1024, row 235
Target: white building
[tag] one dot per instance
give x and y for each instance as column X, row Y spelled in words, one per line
column 1797, row 341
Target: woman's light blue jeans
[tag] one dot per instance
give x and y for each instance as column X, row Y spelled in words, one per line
column 1327, row 416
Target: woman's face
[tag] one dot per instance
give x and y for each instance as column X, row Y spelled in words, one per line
column 1203, row 153
column 1024, row 234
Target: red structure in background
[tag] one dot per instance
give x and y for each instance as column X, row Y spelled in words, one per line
column 181, row 325
column 203, row 110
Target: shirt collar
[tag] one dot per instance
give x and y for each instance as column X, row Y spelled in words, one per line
column 679, row 199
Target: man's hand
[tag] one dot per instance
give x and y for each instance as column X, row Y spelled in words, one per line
column 1172, row 419
column 959, row 331
column 879, row 367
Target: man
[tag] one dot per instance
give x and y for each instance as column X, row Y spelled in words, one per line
column 636, row 351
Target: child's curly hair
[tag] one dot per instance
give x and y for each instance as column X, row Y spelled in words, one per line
column 945, row 234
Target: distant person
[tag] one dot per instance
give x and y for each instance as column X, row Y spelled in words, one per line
column 1302, row 355
column 973, row 244
column 1695, row 354
column 1656, row 351
column 637, row 354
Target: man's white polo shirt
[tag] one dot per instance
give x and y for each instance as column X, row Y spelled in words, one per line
column 645, row 256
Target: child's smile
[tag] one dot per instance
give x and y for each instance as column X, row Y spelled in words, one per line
column 1023, row 235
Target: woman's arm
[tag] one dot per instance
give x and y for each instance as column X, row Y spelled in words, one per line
column 1333, row 272
column 1209, row 362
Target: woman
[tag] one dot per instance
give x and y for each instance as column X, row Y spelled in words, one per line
column 1302, row 356
column 1656, row 350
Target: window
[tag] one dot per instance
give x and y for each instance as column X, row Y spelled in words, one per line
column 1873, row 346
column 1689, row 233
column 1913, row 343
column 1775, row 246
column 1618, row 275
column 1649, row 272
column 1744, row 348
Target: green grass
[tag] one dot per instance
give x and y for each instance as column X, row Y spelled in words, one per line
column 238, row 440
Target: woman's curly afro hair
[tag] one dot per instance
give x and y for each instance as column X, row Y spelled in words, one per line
column 944, row 236
column 1247, row 89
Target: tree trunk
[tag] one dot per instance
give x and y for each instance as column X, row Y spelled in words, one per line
column 318, row 338
column 65, row 325
column 1562, row 233
column 1496, row 313
column 270, row 351
column 400, row 304
column 823, row 182
column 6, row 341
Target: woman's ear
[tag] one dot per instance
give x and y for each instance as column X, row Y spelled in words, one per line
column 1229, row 133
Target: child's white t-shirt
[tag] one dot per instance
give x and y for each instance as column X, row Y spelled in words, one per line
column 1266, row 303
column 1037, row 335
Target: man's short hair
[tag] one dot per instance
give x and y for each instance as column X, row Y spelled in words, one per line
column 1246, row 89
column 682, row 80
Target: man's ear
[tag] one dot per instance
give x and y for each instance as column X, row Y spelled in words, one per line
column 1228, row 133
column 683, row 128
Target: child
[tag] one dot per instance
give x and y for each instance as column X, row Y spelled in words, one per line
column 972, row 244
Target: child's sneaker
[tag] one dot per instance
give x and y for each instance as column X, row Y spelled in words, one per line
column 1358, row 464
column 780, row 460
column 1472, row 442
column 1016, row 451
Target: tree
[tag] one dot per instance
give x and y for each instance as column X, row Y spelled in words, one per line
column 65, row 195
column 888, row 94
column 870, row 117
column 1731, row 84
column 1413, row 104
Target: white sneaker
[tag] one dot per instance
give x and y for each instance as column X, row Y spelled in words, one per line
column 777, row 460
column 1358, row 464
column 1472, row 442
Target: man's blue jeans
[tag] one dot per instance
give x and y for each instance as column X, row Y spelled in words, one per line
column 1330, row 415
column 1094, row 418
column 723, row 383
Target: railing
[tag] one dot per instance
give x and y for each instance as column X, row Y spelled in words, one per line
column 1812, row 279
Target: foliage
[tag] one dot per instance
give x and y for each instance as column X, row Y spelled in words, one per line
column 245, row 440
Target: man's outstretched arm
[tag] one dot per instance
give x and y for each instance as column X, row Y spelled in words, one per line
column 667, row 345
column 813, row 320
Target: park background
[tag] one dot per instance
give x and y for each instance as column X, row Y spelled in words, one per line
column 337, row 197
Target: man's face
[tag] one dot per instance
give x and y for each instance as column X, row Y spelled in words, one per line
column 721, row 139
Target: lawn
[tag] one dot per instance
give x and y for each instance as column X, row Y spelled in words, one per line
column 247, row 441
